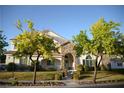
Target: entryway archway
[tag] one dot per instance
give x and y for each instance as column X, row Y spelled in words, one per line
column 68, row 61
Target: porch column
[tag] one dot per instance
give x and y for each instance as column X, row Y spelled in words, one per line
column 74, row 62
column 62, row 63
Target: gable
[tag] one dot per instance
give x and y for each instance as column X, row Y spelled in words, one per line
column 57, row 38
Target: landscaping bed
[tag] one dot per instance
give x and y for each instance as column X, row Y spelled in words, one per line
column 100, row 81
column 43, row 83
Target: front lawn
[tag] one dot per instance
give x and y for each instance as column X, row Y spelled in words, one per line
column 102, row 75
column 29, row 75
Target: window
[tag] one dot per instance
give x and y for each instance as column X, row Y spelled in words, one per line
column 89, row 61
column 119, row 64
column 49, row 62
column 23, row 61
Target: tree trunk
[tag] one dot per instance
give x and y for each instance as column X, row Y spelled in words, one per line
column 95, row 70
column 35, row 67
column 13, row 74
column 100, row 60
column 34, row 74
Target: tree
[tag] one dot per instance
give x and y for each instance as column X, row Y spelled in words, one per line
column 3, row 44
column 32, row 42
column 119, row 45
column 102, row 41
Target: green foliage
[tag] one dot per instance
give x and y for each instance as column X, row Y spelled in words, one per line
column 79, row 41
column 86, row 68
column 2, row 58
column 3, row 43
column 23, row 68
column 32, row 42
column 58, row 76
column 103, row 68
column 79, row 67
column 65, row 72
column 14, row 82
column 51, row 69
column 119, row 45
column 102, row 41
column 121, row 71
column 102, row 38
column 39, row 68
column 19, row 25
column 102, row 32
column 11, row 67
column 76, row 75
column 109, row 66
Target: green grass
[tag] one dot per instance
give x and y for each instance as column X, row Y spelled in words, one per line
column 102, row 75
column 28, row 75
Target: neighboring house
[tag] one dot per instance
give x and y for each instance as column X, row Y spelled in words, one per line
column 66, row 58
column 117, row 63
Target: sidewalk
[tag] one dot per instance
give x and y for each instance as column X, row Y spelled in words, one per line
column 74, row 84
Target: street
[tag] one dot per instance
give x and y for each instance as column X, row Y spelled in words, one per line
column 74, row 85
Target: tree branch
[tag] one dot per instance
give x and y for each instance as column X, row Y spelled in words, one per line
column 30, row 57
column 38, row 56
column 100, row 61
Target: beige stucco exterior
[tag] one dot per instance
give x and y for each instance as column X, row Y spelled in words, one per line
column 66, row 58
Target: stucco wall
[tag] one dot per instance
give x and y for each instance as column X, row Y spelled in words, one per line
column 10, row 59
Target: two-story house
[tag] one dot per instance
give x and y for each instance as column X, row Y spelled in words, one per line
column 66, row 58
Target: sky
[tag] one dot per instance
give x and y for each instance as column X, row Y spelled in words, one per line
column 66, row 21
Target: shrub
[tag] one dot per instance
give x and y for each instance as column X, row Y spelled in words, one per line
column 51, row 69
column 79, row 73
column 109, row 66
column 65, row 72
column 103, row 68
column 76, row 76
column 11, row 67
column 39, row 68
column 79, row 67
column 121, row 71
column 58, row 76
column 86, row 68
column 14, row 81
column 23, row 67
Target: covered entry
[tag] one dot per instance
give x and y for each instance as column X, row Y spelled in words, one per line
column 68, row 61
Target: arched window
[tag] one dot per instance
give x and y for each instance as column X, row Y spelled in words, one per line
column 88, row 61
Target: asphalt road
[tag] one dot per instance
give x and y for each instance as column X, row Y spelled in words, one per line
column 72, row 85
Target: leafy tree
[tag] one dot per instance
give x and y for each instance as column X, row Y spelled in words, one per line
column 32, row 42
column 119, row 45
column 102, row 41
column 3, row 44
